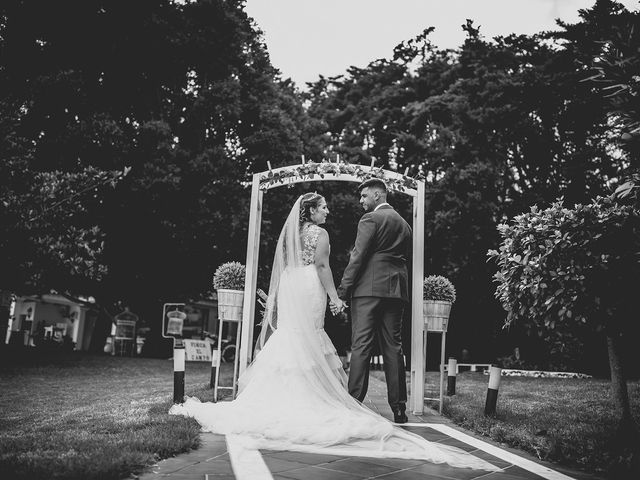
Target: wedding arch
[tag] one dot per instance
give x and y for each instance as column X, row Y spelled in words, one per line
column 345, row 172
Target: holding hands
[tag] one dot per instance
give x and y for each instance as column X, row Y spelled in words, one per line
column 337, row 306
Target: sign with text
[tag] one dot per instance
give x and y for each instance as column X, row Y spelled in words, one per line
column 197, row 350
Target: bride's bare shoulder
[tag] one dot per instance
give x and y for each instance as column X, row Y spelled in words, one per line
column 322, row 234
column 321, row 231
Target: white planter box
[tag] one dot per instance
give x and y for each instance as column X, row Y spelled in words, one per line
column 436, row 315
column 230, row 304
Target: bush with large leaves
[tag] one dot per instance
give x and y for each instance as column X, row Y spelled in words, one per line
column 563, row 271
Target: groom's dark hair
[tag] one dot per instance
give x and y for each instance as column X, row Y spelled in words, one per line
column 373, row 183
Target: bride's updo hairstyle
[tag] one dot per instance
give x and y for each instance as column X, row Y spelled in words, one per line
column 307, row 202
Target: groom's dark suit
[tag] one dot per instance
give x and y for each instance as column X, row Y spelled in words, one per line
column 376, row 282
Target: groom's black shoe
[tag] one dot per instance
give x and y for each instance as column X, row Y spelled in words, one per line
column 398, row 414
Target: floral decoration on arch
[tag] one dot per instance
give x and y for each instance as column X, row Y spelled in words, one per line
column 309, row 170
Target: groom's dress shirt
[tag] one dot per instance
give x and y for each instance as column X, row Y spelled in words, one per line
column 382, row 204
column 378, row 263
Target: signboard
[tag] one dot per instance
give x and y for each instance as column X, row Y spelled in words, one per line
column 197, row 350
column 173, row 317
column 175, row 323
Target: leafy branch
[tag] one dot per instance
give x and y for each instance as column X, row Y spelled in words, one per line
column 310, row 170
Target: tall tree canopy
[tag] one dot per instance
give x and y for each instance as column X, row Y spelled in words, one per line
column 494, row 126
column 182, row 94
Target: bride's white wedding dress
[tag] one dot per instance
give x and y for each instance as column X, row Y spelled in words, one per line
column 294, row 397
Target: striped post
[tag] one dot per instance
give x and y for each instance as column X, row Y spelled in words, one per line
column 451, row 376
column 178, row 371
column 492, row 391
column 375, row 362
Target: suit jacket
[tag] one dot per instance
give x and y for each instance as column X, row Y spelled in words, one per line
column 378, row 263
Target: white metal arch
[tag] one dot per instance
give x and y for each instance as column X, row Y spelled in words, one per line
column 315, row 172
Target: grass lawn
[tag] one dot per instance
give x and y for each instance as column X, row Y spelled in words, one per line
column 568, row 421
column 88, row 417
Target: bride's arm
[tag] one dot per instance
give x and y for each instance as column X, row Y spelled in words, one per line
column 322, row 265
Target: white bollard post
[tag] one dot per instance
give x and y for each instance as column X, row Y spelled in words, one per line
column 178, row 371
column 451, row 376
column 492, row 392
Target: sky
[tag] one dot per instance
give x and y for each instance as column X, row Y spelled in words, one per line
column 308, row 38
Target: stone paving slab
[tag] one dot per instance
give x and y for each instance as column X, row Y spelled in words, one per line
column 212, row 462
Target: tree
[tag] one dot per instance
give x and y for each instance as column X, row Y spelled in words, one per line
column 182, row 93
column 562, row 270
column 617, row 66
column 494, row 127
column 48, row 236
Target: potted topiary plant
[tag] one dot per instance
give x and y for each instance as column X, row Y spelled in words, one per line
column 228, row 280
column 439, row 295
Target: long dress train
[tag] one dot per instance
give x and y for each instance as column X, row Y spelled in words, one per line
column 294, row 397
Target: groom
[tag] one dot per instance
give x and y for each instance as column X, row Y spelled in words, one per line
column 376, row 283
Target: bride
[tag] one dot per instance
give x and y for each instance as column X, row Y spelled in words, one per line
column 294, row 396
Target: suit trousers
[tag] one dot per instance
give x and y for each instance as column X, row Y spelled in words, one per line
column 381, row 318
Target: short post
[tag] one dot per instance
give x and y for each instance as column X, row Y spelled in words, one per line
column 215, row 363
column 178, row 371
column 451, row 376
column 492, row 392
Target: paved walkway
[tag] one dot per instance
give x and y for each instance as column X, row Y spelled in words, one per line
column 214, row 459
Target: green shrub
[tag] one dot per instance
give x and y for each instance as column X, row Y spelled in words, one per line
column 229, row 275
column 561, row 269
column 437, row 287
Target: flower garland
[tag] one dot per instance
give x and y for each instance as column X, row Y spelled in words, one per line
column 309, row 170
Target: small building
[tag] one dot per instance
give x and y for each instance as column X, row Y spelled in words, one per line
column 52, row 317
column 77, row 323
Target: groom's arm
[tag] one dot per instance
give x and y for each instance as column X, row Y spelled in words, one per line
column 364, row 238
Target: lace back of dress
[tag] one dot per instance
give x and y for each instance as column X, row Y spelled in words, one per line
column 309, row 237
